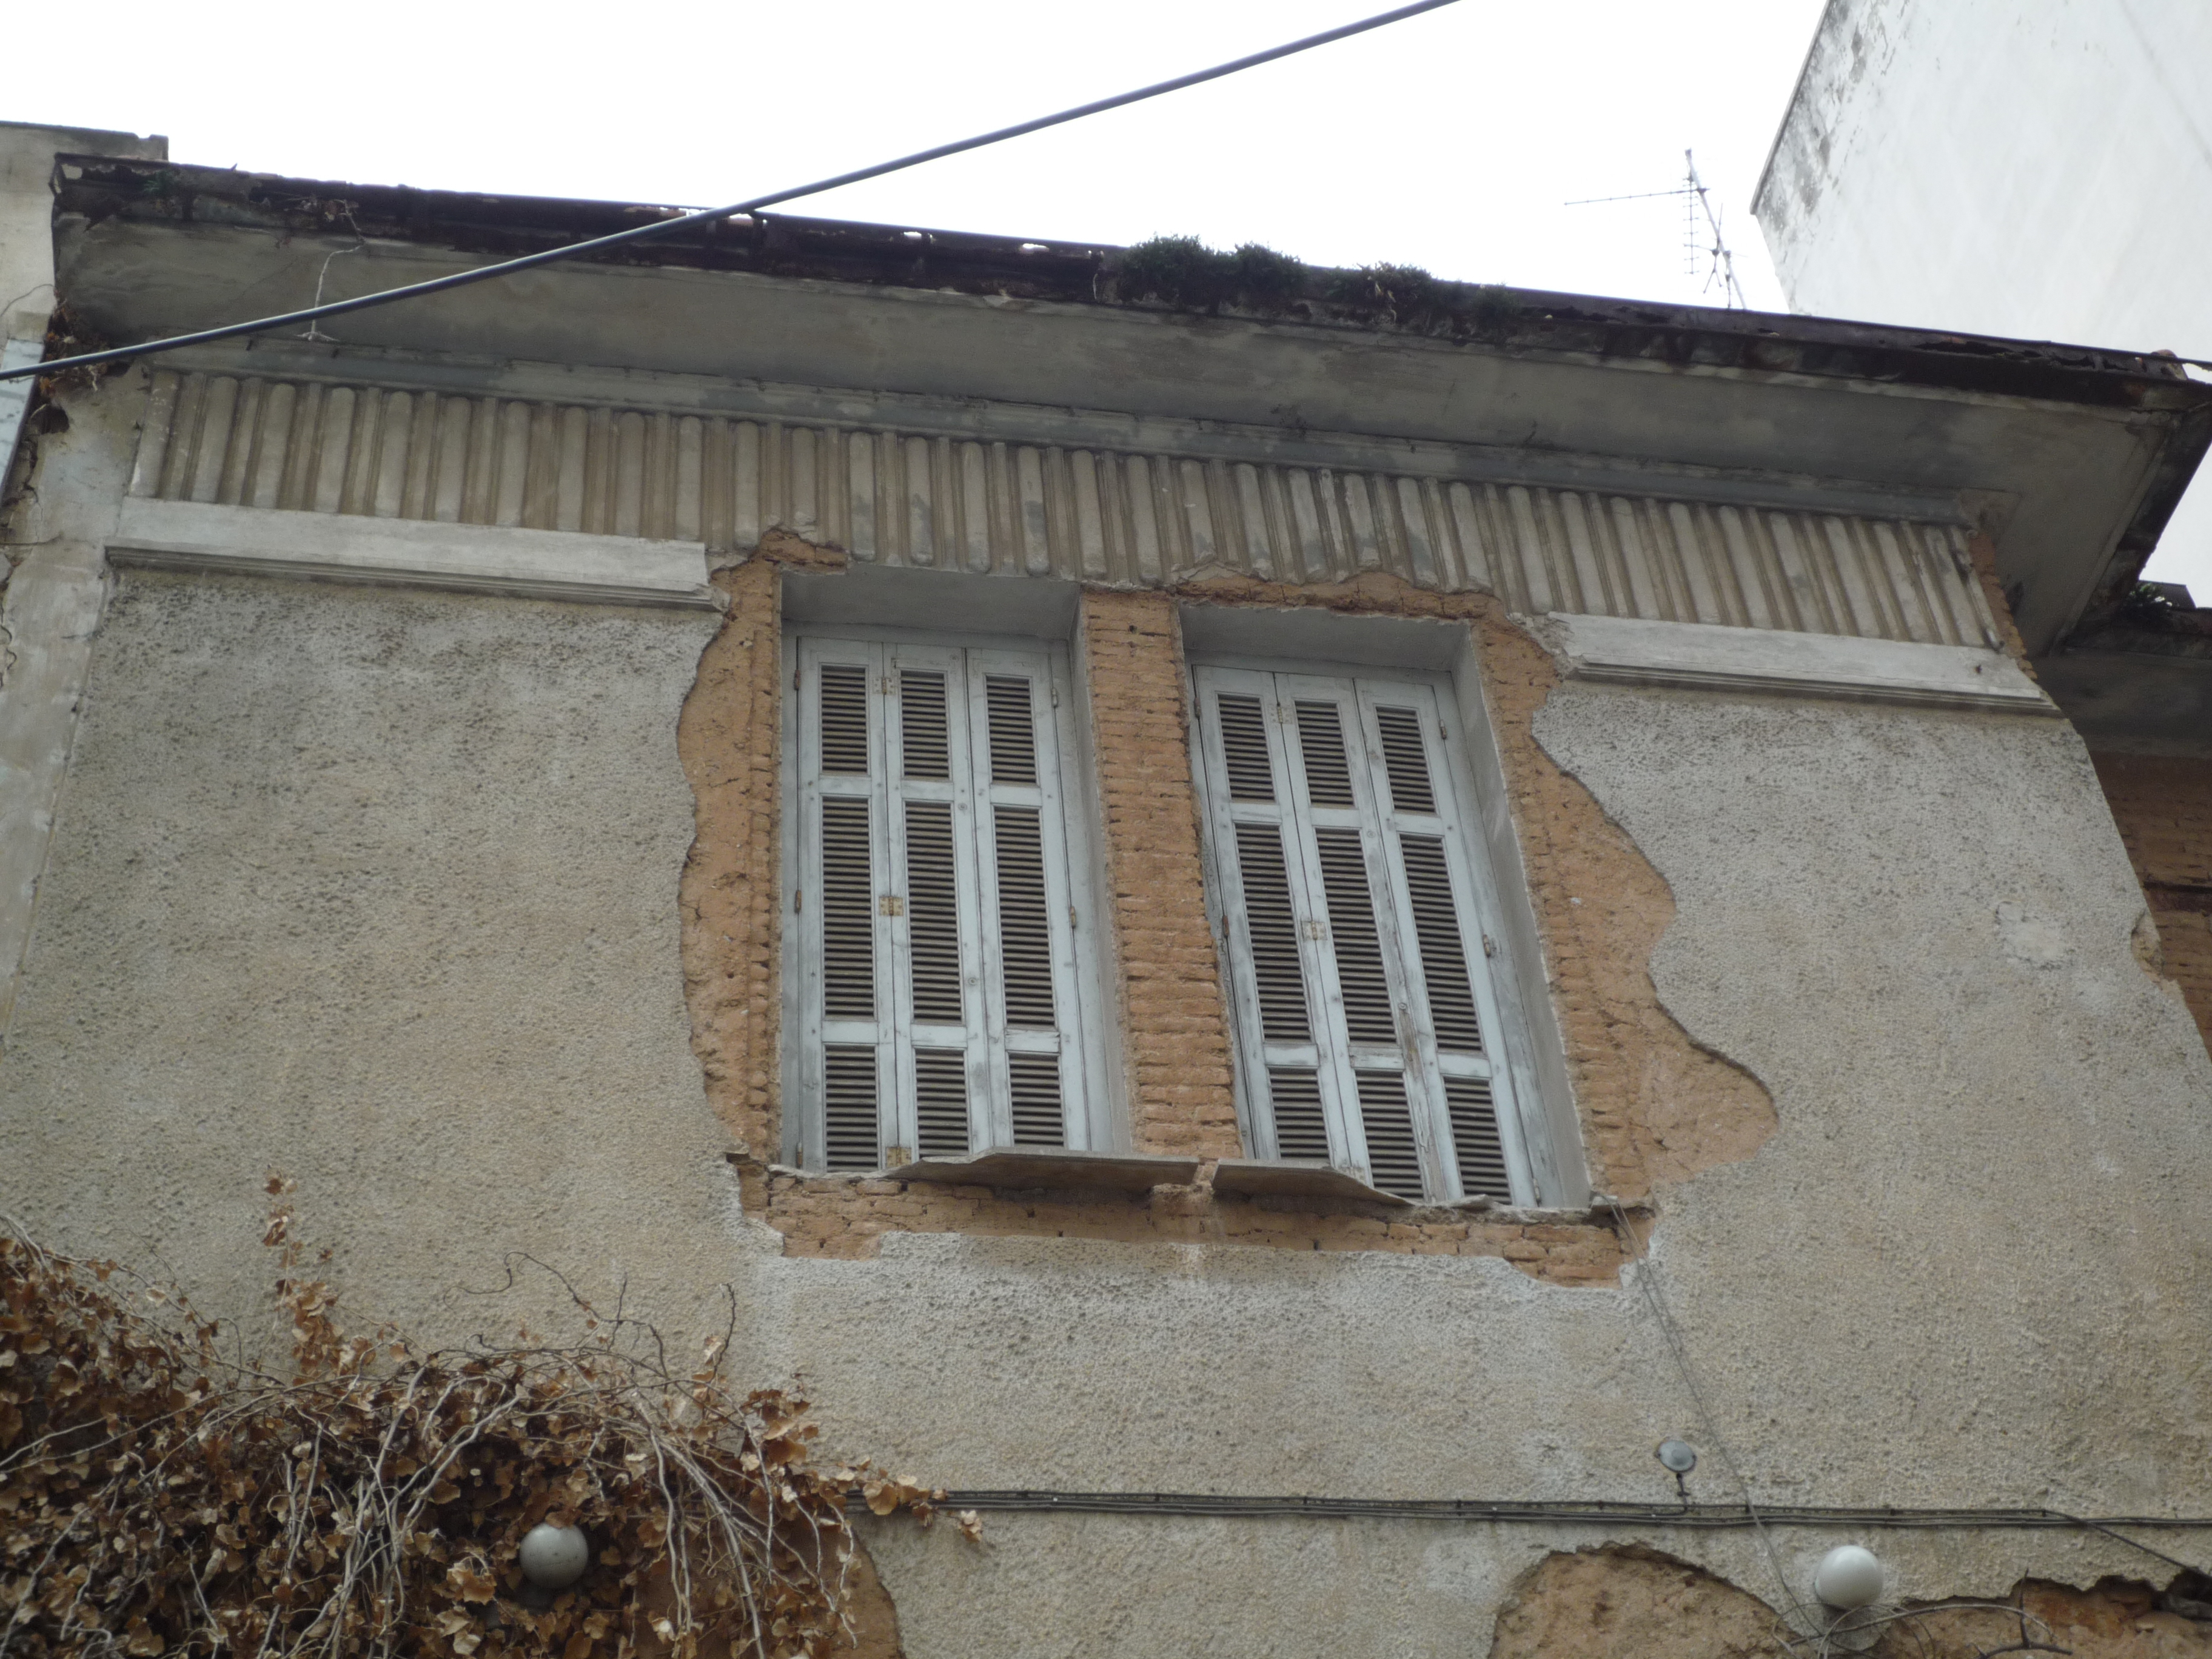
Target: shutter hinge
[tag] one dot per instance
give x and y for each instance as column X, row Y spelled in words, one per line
column 1315, row 928
column 1070, row 918
column 797, row 893
column 794, row 679
column 1055, row 695
column 1489, row 945
column 890, row 904
column 885, row 680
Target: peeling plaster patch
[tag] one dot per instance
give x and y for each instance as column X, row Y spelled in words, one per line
column 1633, row 1603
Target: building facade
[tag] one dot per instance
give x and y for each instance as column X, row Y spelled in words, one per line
column 1283, row 934
column 2042, row 171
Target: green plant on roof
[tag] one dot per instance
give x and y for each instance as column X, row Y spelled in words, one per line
column 1182, row 271
column 1396, row 294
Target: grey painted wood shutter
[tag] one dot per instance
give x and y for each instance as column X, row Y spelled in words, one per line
column 939, row 1005
column 1365, row 1012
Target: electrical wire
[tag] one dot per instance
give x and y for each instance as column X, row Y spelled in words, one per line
column 1703, row 1518
column 1644, row 1277
column 663, row 226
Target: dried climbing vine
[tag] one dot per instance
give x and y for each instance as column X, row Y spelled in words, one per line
column 158, row 1498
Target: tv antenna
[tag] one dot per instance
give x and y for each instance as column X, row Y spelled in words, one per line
column 1700, row 257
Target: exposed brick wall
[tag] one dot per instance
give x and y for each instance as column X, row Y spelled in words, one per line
column 1174, row 1032
column 2163, row 805
column 845, row 1216
column 730, row 896
column 1654, row 1107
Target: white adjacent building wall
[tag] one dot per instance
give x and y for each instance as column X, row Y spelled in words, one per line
column 2036, row 168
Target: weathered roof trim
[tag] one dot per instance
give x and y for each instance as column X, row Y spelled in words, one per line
column 99, row 188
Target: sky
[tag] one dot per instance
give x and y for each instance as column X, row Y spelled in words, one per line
column 1453, row 140
column 1449, row 141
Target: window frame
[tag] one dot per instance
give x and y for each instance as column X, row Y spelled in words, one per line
column 1527, row 1126
column 1079, row 957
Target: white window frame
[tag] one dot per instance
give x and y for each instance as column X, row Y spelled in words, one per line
column 1358, row 691
column 984, row 1037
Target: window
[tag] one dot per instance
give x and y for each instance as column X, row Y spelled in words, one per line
column 1341, row 854
column 940, row 1003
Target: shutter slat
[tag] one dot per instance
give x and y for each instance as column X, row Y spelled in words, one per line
column 1039, row 1118
column 933, row 909
column 849, row 1107
column 1244, row 746
column 849, row 946
column 1301, row 1128
column 844, row 719
column 1406, row 758
column 922, row 726
column 1024, row 917
column 1013, row 731
column 1272, row 923
column 1475, row 1139
column 1365, row 985
column 1321, row 745
column 1443, row 952
column 940, row 1079
column 1394, row 1160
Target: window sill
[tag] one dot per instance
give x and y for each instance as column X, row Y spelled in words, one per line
column 1053, row 1167
column 1253, row 1177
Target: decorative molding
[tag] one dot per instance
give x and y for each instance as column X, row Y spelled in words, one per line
column 1698, row 656
column 519, row 564
column 1116, row 517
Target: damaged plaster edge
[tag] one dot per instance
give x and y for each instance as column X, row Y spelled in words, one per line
column 505, row 561
column 1708, row 657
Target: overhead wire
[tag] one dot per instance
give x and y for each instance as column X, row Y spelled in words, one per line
column 705, row 215
column 1607, row 1512
column 1642, row 1261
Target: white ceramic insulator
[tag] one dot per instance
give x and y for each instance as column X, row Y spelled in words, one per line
column 554, row 1557
column 1849, row 1576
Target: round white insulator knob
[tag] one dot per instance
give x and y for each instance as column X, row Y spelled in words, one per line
column 1849, row 1576
column 554, row 1557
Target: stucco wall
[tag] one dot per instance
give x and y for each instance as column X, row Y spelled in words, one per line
column 376, row 888
column 381, row 887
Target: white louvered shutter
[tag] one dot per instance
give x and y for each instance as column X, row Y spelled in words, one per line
column 1364, row 1002
column 939, row 1007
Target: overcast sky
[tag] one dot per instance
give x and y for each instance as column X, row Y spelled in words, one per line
column 1451, row 142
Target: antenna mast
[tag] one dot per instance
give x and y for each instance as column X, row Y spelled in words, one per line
column 1697, row 203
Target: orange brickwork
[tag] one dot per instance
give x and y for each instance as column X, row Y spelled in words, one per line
column 845, row 1216
column 1175, row 1035
column 2163, row 805
column 1654, row 1107
column 730, row 896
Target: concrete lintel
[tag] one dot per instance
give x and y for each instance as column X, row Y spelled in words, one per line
column 496, row 559
column 1701, row 656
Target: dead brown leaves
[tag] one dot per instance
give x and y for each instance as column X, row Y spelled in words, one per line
column 155, row 1499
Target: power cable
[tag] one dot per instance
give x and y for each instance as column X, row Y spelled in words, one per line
column 1640, row 1258
column 1698, row 1518
column 663, row 226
